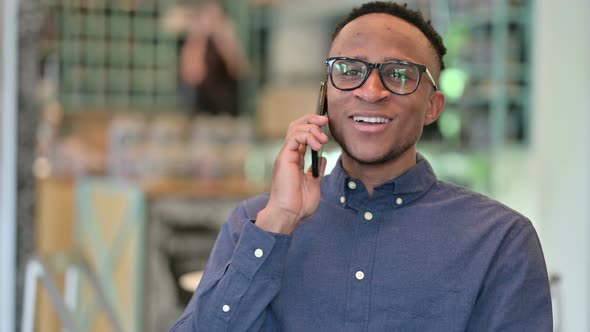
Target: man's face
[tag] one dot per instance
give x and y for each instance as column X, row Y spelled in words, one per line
column 380, row 38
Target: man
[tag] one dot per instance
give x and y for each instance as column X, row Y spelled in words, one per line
column 379, row 244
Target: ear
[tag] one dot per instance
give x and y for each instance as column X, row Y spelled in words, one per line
column 435, row 107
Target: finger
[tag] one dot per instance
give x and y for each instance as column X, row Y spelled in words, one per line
column 318, row 120
column 302, row 151
column 295, row 140
column 313, row 129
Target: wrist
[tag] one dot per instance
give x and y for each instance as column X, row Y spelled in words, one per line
column 276, row 221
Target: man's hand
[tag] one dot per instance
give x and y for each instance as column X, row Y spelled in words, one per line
column 294, row 192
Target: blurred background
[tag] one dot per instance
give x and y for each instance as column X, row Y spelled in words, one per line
column 135, row 126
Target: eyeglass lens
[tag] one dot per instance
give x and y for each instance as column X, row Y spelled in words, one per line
column 350, row 74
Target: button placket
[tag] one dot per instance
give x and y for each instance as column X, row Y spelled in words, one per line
column 362, row 257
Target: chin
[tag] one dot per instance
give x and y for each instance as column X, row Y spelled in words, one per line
column 376, row 154
column 378, row 157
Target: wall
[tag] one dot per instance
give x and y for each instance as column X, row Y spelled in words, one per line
column 7, row 162
column 561, row 149
column 29, row 17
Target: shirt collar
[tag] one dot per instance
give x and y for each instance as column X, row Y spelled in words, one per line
column 417, row 179
column 408, row 186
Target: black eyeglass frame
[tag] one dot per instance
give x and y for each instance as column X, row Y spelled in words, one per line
column 421, row 69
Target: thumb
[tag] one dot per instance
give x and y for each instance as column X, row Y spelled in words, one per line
column 321, row 168
column 323, row 164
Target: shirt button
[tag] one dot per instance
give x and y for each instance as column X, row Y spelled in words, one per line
column 342, row 199
column 360, row 275
column 225, row 308
column 368, row 216
column 258, row 253
column 352, row 185
column 399, row 201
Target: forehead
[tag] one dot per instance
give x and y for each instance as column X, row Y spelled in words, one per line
column 382, row 37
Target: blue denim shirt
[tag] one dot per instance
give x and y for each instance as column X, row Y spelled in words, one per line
column 418, row 255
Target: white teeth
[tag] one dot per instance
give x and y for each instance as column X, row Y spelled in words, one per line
column 370, row 119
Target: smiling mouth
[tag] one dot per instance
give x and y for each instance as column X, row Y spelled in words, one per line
column 370, row 119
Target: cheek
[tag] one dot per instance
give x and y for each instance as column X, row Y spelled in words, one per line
column 411, row 123
column 332, row 94
column 336, row 103
column 414, row 121
column 414, row 111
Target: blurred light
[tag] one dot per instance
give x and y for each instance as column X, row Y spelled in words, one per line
column 449, row 123
column 42, row 168
column 254, row 167
column 331, row 156
column 453, row 82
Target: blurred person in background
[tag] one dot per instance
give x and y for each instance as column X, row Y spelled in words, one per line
column 380, row 244
column 212, row 60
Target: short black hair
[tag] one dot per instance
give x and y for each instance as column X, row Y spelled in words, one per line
column 403, row 12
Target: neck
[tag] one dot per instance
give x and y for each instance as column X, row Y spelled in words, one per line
column 372, row 175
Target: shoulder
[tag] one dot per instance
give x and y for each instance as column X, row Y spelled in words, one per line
column 474, row 207
column 485, row 225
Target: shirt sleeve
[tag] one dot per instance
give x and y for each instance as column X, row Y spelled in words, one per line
column 515, row 295
column 242, row 277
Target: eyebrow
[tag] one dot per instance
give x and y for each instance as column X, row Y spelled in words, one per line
column 397, row 59
column 389, row 59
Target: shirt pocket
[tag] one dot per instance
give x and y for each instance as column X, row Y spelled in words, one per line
column 426, row 309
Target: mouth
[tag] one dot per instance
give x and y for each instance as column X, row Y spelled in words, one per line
column 371, row 119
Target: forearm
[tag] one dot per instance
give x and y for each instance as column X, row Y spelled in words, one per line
column 235, row 293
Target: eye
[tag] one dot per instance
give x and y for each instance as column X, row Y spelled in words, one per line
column 350, row 69
column 399, row 74
column 353, row 72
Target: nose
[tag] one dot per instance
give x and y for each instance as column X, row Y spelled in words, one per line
column 372, row 90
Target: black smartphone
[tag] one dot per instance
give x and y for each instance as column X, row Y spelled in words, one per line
column 322, row 109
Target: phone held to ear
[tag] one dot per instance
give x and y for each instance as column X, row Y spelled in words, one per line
column 322, row 109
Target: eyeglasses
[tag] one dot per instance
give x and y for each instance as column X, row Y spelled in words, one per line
column 399, row 77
